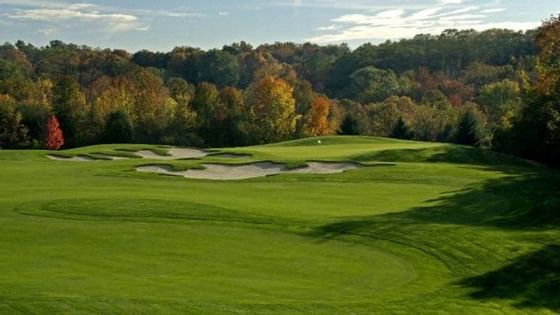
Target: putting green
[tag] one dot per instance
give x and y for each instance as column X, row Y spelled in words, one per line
column 244, row 261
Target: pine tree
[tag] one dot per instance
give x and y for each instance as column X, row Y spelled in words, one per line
column 470, row 129
column 118, row 128
column 349, row 126
column 401, row 130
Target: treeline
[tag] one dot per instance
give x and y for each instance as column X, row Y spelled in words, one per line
column 460, row 86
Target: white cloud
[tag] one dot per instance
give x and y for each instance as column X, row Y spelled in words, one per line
column 362, row 5
column 223, row 13
column 327, row 28
column 82, row 13
column 177, row 13
column 400, row 23
column 79, row 6
column 494, row 10
column 424, row 14
column 391, row 13
column 35, row 3
column 450, row 1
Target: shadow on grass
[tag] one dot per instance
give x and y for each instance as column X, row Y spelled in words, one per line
column 528, row 202
column 533, row 280
column 444, row 154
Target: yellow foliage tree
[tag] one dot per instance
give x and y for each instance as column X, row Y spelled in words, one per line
column 272, row 109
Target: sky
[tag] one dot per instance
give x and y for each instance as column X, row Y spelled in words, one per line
column 164, row 24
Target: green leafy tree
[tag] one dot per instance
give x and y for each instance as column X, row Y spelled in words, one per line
column 218, row 67
column 354, row 118
column 304, row 96
column 425, row 123
column 536, row 134
column 181, row 91
column 383, row 117
column 211, row 113
column 548, row 62
column 436, row 99
column 370, row 84
column 236, row 122
column 502, row 101
column 13, row 134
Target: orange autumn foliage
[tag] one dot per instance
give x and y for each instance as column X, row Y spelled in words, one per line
column 318, row 117
column 55, row 138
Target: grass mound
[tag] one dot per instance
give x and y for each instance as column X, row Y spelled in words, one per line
column 139, row 210
column 443, row 154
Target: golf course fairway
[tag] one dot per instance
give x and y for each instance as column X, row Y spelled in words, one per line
column 413, row 228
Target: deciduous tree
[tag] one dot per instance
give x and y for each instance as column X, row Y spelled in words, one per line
column 502, row 101
column 272, row 109
column 55, row 138
column 317, row 120
column 370, row 84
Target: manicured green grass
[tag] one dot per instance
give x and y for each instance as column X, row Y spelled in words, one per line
column 423, row 228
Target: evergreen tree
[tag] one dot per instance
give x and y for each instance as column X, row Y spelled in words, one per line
column 401, row 130
column 118, row 128
column 470, row 129
column 349, row 126
column 69, row 107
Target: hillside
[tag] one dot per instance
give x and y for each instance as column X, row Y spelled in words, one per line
column 412, row 227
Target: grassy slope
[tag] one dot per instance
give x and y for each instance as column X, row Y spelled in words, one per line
column 428, row 227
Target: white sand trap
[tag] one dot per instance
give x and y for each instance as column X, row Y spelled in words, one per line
column 234, row 172
column 238, row 172
column 325, row 168
column 72, row 159
column 174, row 154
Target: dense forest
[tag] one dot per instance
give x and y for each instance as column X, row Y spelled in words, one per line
column 496, row 89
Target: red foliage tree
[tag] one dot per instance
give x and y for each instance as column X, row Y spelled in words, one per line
column 54, row 139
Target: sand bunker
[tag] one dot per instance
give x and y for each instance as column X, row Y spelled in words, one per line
column 73, row 159
column 325, row 168
column 173, row 154
column 238, row 172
